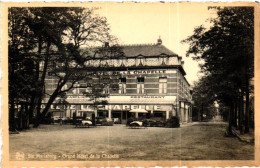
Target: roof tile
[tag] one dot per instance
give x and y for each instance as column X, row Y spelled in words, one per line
column 146, row 50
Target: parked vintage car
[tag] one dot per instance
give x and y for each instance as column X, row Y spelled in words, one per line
column 136, row 123
column 104, row 121
column 58, row 119
column 116, row 120
column 86, row 122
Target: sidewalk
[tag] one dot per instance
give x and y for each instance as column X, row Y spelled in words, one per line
column 249, row 137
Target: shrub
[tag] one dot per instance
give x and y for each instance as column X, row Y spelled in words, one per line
column 173, row 122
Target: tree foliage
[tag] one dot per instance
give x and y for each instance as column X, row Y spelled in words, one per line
column 227, row 50
column 46, row 41
column 204, row 99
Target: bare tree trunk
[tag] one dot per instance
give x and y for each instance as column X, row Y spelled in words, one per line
column 235, row 115
column 247, row 93
column 44, row 112
column 42, row 81
column 230, row 119
column 240, row 114
column 201, row 114
column 31, row 109
column 34, row 95
column 26, row 119
column 247, row 108
column 12, row 124
column 48, row 105
column 20, row 124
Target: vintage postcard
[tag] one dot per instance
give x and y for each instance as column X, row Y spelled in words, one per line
column 105, row 84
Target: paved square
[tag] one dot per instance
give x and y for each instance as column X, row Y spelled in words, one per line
column 201, row 141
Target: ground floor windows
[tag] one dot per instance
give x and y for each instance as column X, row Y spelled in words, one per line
column 159, row 114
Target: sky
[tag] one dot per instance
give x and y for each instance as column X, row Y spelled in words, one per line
column 144, row 23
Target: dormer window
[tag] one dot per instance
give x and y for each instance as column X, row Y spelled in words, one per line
column 140, row 60
column 104, row 62
column 163, row 59
column 122, row 61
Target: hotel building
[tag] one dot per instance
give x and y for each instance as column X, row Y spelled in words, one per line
column 150, row 77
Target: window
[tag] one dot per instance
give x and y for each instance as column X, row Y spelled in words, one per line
column 106, row 89
column 122, row 86
column 139, row 61
column 64, row 87
column 140, row 85
column 76, row 89
column 162, row 85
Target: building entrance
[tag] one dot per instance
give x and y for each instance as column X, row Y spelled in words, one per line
column 121, row 115
column 102, row 113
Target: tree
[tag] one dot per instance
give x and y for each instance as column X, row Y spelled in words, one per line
column 20, row 64
column 100, row 82
column 83, row 29
column 52, row 41
column 203, row 98
column 227, row 50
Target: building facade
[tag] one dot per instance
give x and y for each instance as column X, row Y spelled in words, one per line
column 149, row 77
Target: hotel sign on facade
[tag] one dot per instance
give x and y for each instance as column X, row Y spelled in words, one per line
column 116, row 107
column 121, row 103
column 136, row 72
column 127, row 100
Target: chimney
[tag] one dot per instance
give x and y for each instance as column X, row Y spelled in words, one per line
column 106, row 44
column 159, row 41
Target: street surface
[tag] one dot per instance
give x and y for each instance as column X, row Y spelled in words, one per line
column 200, row 141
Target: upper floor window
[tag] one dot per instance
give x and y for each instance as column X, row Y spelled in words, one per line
column 163, row 59
column 162, row 85
column 140, row 85
column 122, row 85
column 75, row 90
column 106, row 89
column 64, row 87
